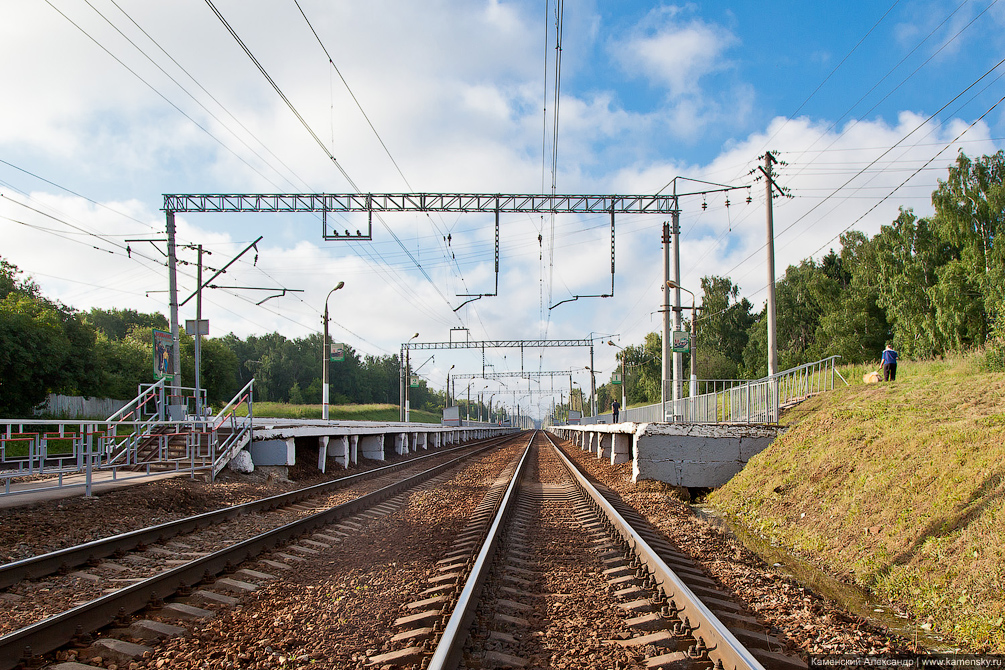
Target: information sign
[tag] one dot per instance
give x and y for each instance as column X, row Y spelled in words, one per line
column 681, row 342
column 163, row 351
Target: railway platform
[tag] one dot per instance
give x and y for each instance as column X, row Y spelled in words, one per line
column 42, row 489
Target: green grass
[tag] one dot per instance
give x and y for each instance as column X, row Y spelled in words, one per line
column 899, row 487
column 374, row 412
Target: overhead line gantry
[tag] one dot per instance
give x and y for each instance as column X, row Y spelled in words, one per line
column 483, row 345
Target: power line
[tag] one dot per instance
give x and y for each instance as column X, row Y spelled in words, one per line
column 444, row 250
column 201, row 87
column 83, row 197
column 159, row 94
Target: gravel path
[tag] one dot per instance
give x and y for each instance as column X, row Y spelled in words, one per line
column 334, row 610
column 795, row 614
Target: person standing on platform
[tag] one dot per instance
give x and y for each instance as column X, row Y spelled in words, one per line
column 889, row 359
column 615, row 410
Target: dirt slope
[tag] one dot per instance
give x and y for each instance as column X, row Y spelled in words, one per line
column 899, row 487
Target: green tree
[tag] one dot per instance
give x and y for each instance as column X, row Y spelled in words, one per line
column 970, row 215
column 33, row 349
column 909, row 255
column 852, row 323
column 117, row 323
column 721, row 329
column 643, row 370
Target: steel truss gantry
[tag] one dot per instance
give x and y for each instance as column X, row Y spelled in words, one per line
column 381, row 203
column 497, row 344
column 522, row 375
column 421, row 202
column 483, row 345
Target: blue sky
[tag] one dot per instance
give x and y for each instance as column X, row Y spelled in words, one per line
column 455, row 90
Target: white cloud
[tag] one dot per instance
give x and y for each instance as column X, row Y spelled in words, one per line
column 673, row 53
column 455, row 91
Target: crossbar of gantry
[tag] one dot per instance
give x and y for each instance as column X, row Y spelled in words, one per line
column 497, row 344
column 476, row 344
column 421, row 202
column 522, row 375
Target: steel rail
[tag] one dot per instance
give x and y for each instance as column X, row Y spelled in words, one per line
column 59, row 630
column 455, row 632
column 721, row 645
column 62, row 559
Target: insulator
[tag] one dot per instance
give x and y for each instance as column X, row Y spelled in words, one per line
column 704, row 205
column 749, row 199
column 727, row 202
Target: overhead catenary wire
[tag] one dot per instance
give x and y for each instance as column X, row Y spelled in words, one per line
column 203, row 89
column 366, row 117
column 160, row 94
column 321, row 144
column 913, row 73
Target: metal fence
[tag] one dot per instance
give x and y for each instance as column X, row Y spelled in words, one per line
column 735, row 400
column 129, row 443
column 74, row 406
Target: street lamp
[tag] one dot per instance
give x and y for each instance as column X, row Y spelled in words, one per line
column 624, row 381
column 593, row 391
column 408, row 375
column 694, row 338
column 326, row 351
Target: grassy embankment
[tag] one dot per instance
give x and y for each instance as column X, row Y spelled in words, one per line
column 899, row 487
column 375, row 412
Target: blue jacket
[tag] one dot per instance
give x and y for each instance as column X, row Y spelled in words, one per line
column 889, row 357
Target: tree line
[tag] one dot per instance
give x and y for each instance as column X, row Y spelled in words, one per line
column 929, row 286
column 47, row 347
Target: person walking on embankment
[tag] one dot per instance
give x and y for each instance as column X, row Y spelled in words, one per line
column 889, row 359
column 615, row 410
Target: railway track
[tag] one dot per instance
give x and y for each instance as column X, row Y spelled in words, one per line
column 107, row 580
column 552, row 572
column 512, row 559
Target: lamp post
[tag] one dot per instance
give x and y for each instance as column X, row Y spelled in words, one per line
column 694, row 337
column 408, row 375
column 624, row 381
column 593, row 391
column 326, row 351
column 447, row 390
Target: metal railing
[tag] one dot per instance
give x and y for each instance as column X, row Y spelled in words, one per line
column 128, row 444
column 237, row 428
column 735, row 400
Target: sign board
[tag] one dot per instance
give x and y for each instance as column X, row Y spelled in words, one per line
column 451, row 416
column 203, row 326
column 575, row 418
column 337, row 354
column 163, row 353
column 615, row 377
column 681, row 342
column 413, row 381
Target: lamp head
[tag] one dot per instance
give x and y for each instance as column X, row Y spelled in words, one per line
column 672, row 284
column 339, row 285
